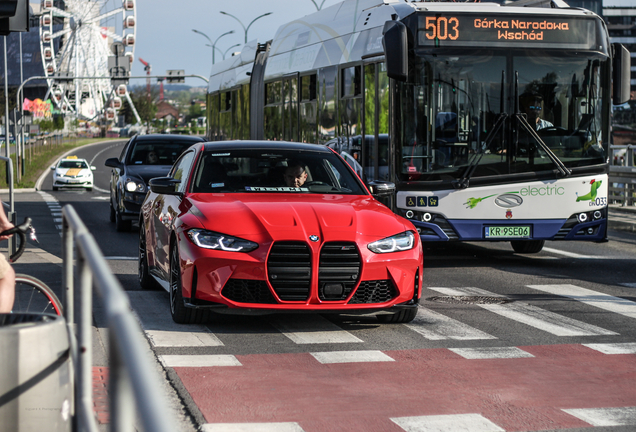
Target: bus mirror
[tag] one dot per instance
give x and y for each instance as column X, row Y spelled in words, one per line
column 621, row 74
column 395, row 44
column 380, row 188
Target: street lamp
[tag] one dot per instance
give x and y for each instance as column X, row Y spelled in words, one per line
column 224, row 53
column 248, row 26
column 212, row 44
column 321, row 4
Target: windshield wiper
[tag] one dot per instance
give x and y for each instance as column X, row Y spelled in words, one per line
column 462, row 183
column 521, row 119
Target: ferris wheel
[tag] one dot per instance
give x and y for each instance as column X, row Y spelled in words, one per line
column 76, row 37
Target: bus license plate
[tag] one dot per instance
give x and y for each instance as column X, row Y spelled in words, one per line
column 507, row 232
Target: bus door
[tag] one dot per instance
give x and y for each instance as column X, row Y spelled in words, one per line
column 375, row 132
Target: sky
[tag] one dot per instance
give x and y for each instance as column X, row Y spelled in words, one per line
column 165, row 38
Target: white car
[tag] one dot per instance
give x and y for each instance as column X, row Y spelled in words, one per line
column 73, row 172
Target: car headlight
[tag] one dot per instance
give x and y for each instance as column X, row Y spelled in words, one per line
column 213, row 240
column 396, row 243
column 132, row 186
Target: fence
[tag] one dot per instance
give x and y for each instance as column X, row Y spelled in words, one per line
column 622, row 177
column 133, row 382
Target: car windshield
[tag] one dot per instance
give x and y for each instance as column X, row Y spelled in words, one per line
column 275, row 171
column 73, row 164
column 157, row 152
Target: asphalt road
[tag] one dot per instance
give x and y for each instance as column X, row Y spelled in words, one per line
column 543, row 342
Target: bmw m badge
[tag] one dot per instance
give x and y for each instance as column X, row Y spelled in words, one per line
column 314, row 238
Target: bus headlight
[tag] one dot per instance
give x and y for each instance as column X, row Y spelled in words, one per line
column 582, row 217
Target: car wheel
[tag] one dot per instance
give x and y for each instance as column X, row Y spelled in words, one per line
column 146, row 281
column 54, row 188
column 527, row 246
column 89, row 189
column 120, row 224
column 112, row 211
column 403, row 316
column 180, row 313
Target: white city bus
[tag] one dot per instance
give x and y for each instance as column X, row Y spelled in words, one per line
column 476, row 121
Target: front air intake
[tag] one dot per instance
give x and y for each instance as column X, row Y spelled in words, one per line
column 339, row 270
column 289, row 270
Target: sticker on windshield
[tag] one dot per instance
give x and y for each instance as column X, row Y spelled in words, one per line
column 275, row 189
column 217, row 185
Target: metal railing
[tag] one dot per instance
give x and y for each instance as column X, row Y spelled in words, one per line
column 132, row 380
column 622, row 177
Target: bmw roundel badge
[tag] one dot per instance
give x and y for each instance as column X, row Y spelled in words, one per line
column 314, row 238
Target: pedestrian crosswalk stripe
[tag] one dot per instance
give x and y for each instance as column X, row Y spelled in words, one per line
column 312, row 329
column 533, row 316
column 605, row 417
column 251, row 427
column 614, row 348
column 162, row 338
column 435, row 326
column 592, row 298
column 351, row 357
column 199, row 360
column 445, row 423
column 491, row 353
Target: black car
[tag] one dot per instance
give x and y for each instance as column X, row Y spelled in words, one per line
column 143, row 157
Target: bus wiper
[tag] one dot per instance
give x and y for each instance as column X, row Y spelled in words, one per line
column 521, row 119
column 462, row 183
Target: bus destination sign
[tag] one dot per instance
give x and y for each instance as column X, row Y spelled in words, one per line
column 506, row 30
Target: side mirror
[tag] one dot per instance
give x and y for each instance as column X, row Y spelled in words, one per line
column 164, row 185
column 52, row 167
column 380, row 188
column 396, row 50
column 621, row 74
column 93, row 168
column 113, row 163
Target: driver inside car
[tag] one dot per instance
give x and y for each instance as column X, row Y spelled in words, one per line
column 295, row 175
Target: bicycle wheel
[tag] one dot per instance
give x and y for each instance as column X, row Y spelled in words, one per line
column 34, row 296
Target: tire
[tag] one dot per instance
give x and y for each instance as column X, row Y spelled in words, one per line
column 55, row 188
column 89, row 189
column 34, row 296
column 146, row 281
column 112, row 212
column 527, row 246
column 180, row 313
column 401, row 317
column 120, row 224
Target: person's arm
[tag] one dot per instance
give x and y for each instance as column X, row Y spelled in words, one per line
column 5, row 224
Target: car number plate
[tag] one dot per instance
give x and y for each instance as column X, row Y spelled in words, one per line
column 507, row 232
column 73, row 181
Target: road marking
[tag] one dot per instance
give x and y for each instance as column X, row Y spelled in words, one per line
column 491, row 353
column 616, row 348
column 435, row 326
column 447, row 423
column 312, row 329
column 592, row 298
column 199, row 360
column 625, row 416
column 162, row 338
column 533, row 316
column 351, row 357
column 577, row 256
column 628, row 285
column 251, row 427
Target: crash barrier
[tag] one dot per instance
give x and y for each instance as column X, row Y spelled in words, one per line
column 622, row 177
column 134, row 390
column 35, row 386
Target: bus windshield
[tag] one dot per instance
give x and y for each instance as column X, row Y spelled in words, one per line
column 464, row 111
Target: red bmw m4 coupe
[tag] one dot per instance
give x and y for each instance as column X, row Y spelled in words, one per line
column 250, row 227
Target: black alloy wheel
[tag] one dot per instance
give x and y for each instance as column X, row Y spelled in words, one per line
column 146, row 281
column 180, row 313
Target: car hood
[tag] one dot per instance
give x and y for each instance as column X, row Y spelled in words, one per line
column 296, row 217
column 72, row 172
column 147, row 172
